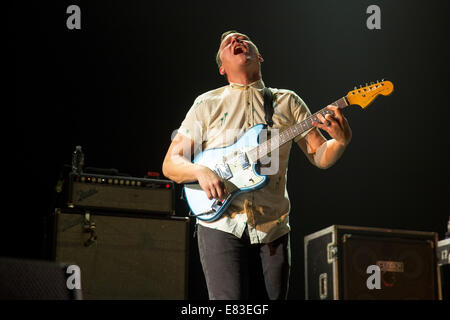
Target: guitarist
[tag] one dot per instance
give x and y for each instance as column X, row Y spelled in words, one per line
column 256, row 220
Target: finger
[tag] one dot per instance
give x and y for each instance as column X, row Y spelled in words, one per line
column 331, row 120
column 213, row 192
column 219, row 191
column 320, row 126
column 337, row 113
column 322, row 119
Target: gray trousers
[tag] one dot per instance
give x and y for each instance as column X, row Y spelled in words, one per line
column 225, row 262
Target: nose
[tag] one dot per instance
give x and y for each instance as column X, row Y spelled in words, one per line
column 235, row 39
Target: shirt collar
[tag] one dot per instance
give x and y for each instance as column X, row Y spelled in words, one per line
column 259, row 84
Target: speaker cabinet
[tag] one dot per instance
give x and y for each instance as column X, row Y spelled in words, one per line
column 357, row 263
column 22, row 279
column 125, row 256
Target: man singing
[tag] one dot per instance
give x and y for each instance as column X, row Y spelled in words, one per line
column 258, row 219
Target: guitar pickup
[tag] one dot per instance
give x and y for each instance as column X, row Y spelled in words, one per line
column 223, row 170
column 243, row 160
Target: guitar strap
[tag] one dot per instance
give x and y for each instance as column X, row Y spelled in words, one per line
column 268, row 106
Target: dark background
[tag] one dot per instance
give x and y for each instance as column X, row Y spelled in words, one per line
column 124, row 82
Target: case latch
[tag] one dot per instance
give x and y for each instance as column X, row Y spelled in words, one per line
column 332, row 252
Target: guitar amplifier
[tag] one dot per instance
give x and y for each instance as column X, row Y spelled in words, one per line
column 125, row 256
column 120, row 193
column 359, row 263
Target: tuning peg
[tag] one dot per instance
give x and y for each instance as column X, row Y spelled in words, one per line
column 360, row 86
column 378, row 81
column 382, row 80
column 355, row 88
column 366, row 84
column 371, row 83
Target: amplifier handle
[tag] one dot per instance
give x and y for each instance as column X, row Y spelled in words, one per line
column 89, row 227
column 323, row 286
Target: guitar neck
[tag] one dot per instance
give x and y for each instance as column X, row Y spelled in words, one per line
column 287, row 135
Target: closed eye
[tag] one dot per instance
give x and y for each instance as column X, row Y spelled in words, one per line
column 241, row 39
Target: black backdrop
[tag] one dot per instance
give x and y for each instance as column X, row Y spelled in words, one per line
column 123, row 83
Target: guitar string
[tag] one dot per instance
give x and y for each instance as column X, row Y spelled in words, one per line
column 262, row 150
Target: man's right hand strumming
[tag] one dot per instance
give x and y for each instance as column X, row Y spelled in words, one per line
column 211, row 183
column 178, row 167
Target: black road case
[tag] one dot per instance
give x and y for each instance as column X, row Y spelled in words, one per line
column 343, row 262
column 443, row 256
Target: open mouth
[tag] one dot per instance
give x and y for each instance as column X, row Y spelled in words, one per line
column 238, row 50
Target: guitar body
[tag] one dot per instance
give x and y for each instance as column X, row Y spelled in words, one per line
column 238, row 172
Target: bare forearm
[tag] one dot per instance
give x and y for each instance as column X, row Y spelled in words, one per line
column 180, row 169
column 328, row 153
column 338, row 128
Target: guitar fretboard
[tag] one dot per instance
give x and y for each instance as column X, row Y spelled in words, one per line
column 287, row 135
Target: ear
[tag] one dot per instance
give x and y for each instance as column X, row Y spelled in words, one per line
column 222, row 70
column 260, row 58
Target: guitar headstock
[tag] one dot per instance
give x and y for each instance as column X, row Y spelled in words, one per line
column 363, row 96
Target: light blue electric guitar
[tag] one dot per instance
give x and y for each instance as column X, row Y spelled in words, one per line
column 237, row 164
